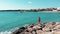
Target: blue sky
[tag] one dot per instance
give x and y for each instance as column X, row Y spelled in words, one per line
column 28, row 4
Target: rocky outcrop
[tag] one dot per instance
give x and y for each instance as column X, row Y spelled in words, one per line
column 45, row 28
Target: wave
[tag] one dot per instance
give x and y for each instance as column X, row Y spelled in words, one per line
column 12, row 30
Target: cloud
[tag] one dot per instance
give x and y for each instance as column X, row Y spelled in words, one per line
column 29, row 2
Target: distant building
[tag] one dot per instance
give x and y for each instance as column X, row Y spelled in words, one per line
column 54, row 10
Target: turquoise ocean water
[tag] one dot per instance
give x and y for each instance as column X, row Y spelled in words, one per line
column 11, row 20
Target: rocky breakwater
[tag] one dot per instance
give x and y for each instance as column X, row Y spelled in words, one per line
column 45, row 28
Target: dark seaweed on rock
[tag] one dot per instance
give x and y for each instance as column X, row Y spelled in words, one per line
column 19, row 30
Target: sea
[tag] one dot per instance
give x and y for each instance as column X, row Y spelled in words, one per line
column 13, row 20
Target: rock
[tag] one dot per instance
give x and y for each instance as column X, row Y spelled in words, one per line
column 36, row 27
column 57, row 27
column 47, row 32
column 33, row 32
column 46, row 29
column 39, row 32
column 56, row 32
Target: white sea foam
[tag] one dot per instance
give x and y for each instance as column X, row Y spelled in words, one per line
column 10, row 31
column 6, row 32
column 26, row 25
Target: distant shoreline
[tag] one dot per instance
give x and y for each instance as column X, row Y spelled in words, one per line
column 35, row 10
column 25, row 11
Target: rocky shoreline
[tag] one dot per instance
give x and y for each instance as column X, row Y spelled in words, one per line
column 45, row 28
